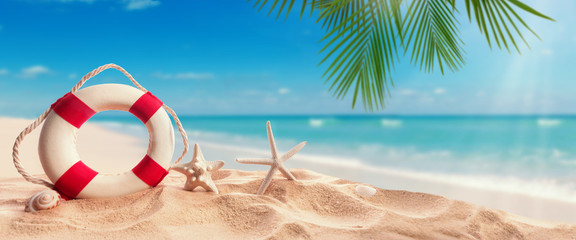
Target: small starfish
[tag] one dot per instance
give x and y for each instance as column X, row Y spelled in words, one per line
column 275, row 163
column 198, row 171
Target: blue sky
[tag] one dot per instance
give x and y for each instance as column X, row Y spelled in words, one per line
column 206, row 58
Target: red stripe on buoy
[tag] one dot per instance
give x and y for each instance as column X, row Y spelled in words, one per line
column 73, row 110
column 71, row 183
column 149, row 171
column 62, row 195
column 145, row 107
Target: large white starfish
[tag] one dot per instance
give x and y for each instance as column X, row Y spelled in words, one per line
column 198, row 171
column 275, row 163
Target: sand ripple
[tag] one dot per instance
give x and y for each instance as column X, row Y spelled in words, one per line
column 316, row 207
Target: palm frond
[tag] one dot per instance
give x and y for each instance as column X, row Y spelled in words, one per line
column 499, row 21
column 281, row 6
column 334, row 12
column 363, row 37
column 431, row 33
column 363, row 49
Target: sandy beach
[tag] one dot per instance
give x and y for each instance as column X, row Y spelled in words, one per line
column 317, row 206
column 532, row 206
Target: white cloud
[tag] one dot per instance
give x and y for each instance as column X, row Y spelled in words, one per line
column 184, row 76
column 72, row 76
column 252, row 92
column 68, row 1
column 547, row 52
column 406, row 92
column 191, row 75
column 270, row 100
column 427, row 99
column 129, row 5
column 162, row 75
column 283, row 91
column 34, row 71
column 439, row 91
column 140, row 4
column 4, row 71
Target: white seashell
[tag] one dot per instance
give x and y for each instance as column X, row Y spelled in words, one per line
column 365, row 191
column 43, row 200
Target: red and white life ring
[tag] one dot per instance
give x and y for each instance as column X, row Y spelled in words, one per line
column 57, row 146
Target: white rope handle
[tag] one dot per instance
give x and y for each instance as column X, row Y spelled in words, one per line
column 16, row 152
column 41, row 118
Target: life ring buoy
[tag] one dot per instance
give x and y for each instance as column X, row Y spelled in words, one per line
column 62, row 163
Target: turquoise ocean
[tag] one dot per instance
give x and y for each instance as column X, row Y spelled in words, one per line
column 525, row 154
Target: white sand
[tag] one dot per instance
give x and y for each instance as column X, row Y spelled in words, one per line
column 316, row 207
column 536, row 207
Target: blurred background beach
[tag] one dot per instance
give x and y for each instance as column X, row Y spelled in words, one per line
column 502, row 127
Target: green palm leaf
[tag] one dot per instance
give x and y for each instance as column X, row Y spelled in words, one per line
column 431, row 32
column 363, row 37
column 498, row 20
column 284, row 5
column 363, row 50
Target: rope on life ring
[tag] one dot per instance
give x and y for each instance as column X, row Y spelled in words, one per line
column 15, row 150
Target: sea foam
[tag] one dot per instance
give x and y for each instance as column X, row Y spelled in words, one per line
column 391, row 123
column 485, row 153
column 547, row 122
column 316, row 122
column 536, row 187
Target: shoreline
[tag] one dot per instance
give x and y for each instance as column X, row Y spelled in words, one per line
column 532, row 188
column 130, row 147
column 317, row 206
column 530, row 206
